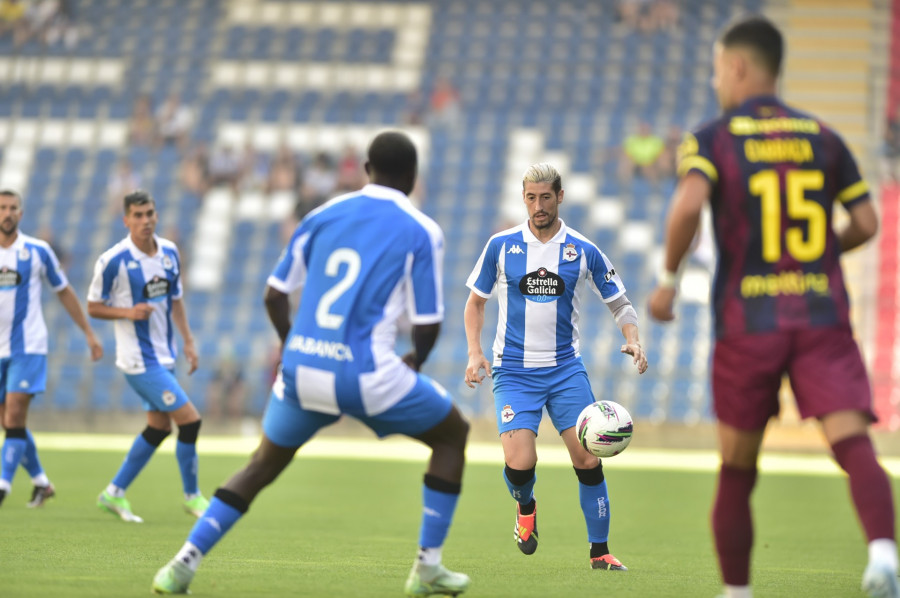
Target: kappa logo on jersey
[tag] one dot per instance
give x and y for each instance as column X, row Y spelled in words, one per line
column 133, row 265
column 542, row 286
column 9, row 278
column 156, row 289
column 168, row 397
column 515, row 250
column 570, row 253
column 507, row 414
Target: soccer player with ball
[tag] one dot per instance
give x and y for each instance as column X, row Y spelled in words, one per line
column 539, row 271
column 772, row 175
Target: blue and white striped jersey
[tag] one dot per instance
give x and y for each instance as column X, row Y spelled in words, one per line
column 363, row 259
column 540, row 290
column 22, row 266
column 125, row 276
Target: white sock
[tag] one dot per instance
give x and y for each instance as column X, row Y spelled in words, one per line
column 5, row 486
column 430, row 557
column 41, row 479
column 738, row 592
column 190, row 496
column 189, row 555
column 115, row 491
column 883, row 550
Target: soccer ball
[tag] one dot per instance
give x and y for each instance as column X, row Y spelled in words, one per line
column 604, row 428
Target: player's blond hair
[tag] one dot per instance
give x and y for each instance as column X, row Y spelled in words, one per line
column 543, row 172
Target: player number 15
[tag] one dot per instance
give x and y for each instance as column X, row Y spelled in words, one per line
column 766, row 185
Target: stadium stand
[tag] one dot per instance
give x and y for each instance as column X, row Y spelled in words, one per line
column 321, row 76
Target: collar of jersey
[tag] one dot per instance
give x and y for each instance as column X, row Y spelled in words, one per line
column 757, row 100
column 135, row 252
column 529, row 237
column 382, row 192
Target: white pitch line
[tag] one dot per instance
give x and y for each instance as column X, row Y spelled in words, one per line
column 401, row 449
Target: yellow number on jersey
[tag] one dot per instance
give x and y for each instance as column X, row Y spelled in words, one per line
column 765, row 185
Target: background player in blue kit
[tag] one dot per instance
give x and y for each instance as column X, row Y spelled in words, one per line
column 540, row 270
column 24, row 262
column 772, row 175
column 137, row 283
column 363, row 260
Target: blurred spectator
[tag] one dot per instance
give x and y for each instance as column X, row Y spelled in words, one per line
column 445, row 110
column 39, row 16
column 12, row 18
column 669, row 160
column 46, row 234
column 284, row 174
column 194, row 170
column 254, row 168
column 890, row 151
column 319, row 181
column 227, row 391
column 414, row 111
column 649, row 15
column 62, row 25
column 174, row 121
column 642, row 155
column 664, row 15
column 122, row 181
column 141, row 127
column 350, row 173
column 225, row 166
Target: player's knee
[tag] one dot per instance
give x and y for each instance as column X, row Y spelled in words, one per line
column 154, row 436
column 590, row 477
column 188, row 433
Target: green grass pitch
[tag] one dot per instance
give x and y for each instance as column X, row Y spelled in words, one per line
column 335, row 527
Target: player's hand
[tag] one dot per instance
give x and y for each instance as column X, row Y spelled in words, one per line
column 141, row 311
column 473, row 370
column 190, row 353
column 95, row 346
column 410, row 360
column 640, row 358
column 661, row 302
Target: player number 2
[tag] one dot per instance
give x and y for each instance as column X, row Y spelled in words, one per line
column 338, row 257
column 766, row 185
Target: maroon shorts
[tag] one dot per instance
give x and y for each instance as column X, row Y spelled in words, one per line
column 824, row 365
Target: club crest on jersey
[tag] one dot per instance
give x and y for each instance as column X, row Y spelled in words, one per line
column 542, row 286
column 168, row 398
column 24, row 254
column 569, row 252
column 507, row 414
column 167, row 262
column 156, row 289
column 133, row 265
column 9, row 278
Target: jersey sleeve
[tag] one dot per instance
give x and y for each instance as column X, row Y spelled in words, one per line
column 290, row 271
column 52, row 270
column 179, row 288
column 484, row 276
column 104, row 280
column 851, row 188
column 602, row 277
column 425, row 299
column 695, row 154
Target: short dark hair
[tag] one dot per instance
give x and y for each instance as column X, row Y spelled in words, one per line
column 11, row 193
column 137, row 198
column 761, row 36
column 393, row 154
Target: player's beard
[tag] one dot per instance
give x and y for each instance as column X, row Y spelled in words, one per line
column 549, row 222
column 8, row 227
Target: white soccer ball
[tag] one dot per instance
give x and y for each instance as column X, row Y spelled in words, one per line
column 604, row 428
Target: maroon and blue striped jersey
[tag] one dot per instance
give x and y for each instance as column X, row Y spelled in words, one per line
column 776, row 173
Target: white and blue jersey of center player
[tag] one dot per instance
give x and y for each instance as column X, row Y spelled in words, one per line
column 540, row 290
column 125, row 276
column 363, row 260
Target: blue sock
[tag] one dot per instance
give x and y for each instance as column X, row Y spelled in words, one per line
column 13, row 450
column 524, row 493
column 214, row 524
column 595, row 505
column 437, row 515
column 137, row 457
column 187, row 463
column 30, row 460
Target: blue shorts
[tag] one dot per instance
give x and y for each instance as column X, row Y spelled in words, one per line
column 288, row 424
column 521, row 394
column 23, row 373
column 158, row 389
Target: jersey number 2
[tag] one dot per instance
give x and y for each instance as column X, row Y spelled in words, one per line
column 324, row 317
column 765, row 184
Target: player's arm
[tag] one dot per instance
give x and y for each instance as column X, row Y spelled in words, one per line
column 684, row 219
column 70, row 302
column 424, row 336
column 626, row 319
column 863, row 225
column 474, row 321
column 180, row 319
column 102, row 311
column 278, row 306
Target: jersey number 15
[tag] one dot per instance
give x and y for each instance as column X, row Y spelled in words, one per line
column 766, row 185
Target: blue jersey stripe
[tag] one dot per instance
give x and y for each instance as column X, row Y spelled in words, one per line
column 141, row 327
column 514, row 351
column 17, row 340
